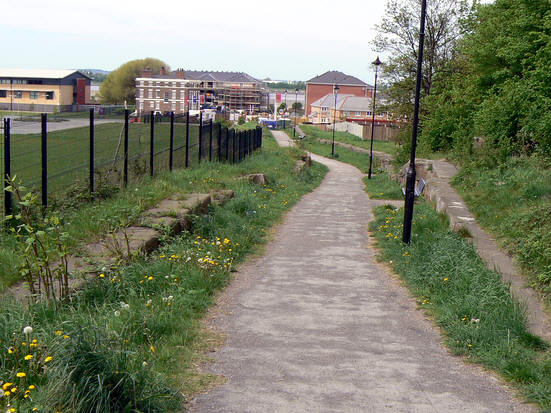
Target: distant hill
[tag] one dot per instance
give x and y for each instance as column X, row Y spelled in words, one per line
column 97, row 75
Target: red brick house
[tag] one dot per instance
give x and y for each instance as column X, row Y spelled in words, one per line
column 322, row 85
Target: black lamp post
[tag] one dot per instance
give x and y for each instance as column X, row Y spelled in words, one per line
column 285, row 109
column 336, row 92
column 376, row 63
column 410, row 183
column 294, row 129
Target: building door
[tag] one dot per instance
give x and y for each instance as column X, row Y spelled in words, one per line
column 81, row 91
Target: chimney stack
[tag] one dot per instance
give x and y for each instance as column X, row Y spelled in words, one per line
column 147, row 72
column 162, row 72
column 180, row 74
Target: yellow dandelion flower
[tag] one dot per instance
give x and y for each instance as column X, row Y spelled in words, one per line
column 10, row 350
column 48, row 359
column 66, row 336
column 152, row 348
column 446, row 279
column 32, row 387
column 13, row 389
column 150, row 278
column 21, row 374
column 7, row 393
column 29, row 357
column 102, row 275
column 6, row 385
column 58, row 332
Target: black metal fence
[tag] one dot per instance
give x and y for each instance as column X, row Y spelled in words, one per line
column 107, row 153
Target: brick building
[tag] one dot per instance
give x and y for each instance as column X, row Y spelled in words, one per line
column 183, row 90
column 43, row 90
column 322, row 85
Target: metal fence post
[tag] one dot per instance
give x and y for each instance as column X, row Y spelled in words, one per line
column 219, row 141
column 227, row 147
column 210, row 140
column 44, row 140
column 234, row 142
column 125, row 170
column 200, row 136
column 187, row 139
column 7, row 165
column 152, row 144
column 171, row 149
column 92, row 151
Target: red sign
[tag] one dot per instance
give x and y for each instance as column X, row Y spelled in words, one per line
column 278, row 97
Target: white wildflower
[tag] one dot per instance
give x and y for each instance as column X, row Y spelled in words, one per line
column 27, row 330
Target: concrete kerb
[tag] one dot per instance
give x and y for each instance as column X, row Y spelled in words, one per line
column 170, row 216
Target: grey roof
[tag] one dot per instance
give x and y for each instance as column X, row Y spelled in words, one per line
column 345, row 102
column 334, row 77
column 209, row 76
column 39, row 73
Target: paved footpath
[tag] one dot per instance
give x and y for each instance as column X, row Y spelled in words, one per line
column 316, row 325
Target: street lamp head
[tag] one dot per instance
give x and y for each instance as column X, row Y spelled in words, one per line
column 335, row 88
column 296, row 90
column 377, row 62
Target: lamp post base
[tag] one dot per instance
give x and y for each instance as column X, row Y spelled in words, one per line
column 408, row 208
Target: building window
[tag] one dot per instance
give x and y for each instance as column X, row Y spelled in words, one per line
column 183, row 94
column 173, row 94
column 34, row 82
column 19, row 82
column 141, row 106
column 3, row 93
column 158, row 94
column 150, row 94
column 5, row 81
column 166, row 97
column 173, row 106
column 17, row 94
column 49, row 95
column 324, row 109
column 151, row 104
column 34, row 95
column 141, row 93
column 157, row 105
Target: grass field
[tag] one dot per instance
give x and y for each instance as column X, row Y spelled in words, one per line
column 345, row 137
column 69, row 152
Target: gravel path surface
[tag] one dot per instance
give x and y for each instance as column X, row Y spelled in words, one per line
column 316, row 325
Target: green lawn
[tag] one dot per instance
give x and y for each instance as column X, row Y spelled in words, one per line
column 345, row 137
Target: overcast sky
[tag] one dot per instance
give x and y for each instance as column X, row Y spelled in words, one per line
column 285, row 39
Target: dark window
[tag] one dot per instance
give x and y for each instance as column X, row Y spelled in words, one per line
column 17, row 94
column 3, row 93
column 34, row 95
column 49, row 95
column 34, row 82
column 166, row 96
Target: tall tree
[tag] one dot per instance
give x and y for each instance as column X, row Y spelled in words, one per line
column 119, row 86
column 398, row 36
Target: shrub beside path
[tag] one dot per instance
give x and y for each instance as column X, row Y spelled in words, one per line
column 315, row 324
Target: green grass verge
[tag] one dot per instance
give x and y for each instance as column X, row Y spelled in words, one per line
column 128, row 340
column 381, row 186
column 345, row 137
column 474, row 309
column 513, row 201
